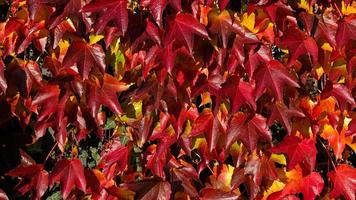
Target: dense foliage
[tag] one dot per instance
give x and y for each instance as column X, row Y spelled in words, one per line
column 177, row 99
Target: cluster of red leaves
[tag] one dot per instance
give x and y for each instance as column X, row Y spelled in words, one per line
column 206, row 99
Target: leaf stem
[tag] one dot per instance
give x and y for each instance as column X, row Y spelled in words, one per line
column 337, row 9
column 50, row 152
column 327, row 153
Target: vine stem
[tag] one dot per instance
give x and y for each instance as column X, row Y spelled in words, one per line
column 327, row 152
column 50, row 152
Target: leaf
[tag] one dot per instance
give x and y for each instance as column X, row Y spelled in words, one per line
column 61, row 29
column 212, row 194
column 157, row 7
column 69, row 9
column 327, row 27
column 3, row 195
column 298, row 44
column 351, row 128
column 68, row 173
column 310, row 186
column 222, row 24
column 244, row 94
column 35, row 178
column 185, row 173
column 110, row 10
column 261, row 168
column 95, row 38
column 282, row 114
column 346, row 30
column 160, row 191
column 86, row 56
column 3, row 84
column 48, row 93
column 344, row 182
column 210, row 125
column 183, row 28
column 159, row 155
column 121, row 193
column 105, row 95
column 203, row 123
column 337, row 140
column 298, row 151
column 248, row 21
column 273, row 75
column 118, row 155
column 340, row 93
column 24, row 75
column 249, row 131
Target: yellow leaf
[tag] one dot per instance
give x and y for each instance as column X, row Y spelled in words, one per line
column 326, row 46
column 294, row 174
column 63, row 46
column 275, row 187
column 205, row 98
column 197, row 142
column 319, row 71
column 138, row 109
column 278, row 158
column 248, row 21
column 305, row 5
column 286, row 51
column 221, row 177
column 95, row 38
column 348, row 9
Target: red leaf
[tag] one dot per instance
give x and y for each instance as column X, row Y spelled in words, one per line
column 344, row 182
column 261, row 169
column 298, row 44
column 256, row 56
column 157, row 7
column 183, row 28
column 24, row 74
column 213, row 194
column 340, row 93
column 34, row 178
column 327, row 27
column 310, row 186
column 241, row 93
column 210, row 125
column 249, row 131
column 106, row 95
column 161, row 191
column 282, row 114
column 273, row 75
column 203, row 123
column 70, row 9
column 346, row 30
column 117, row 154
column 48, row 93
column 298, row 152
column 110, row 10
column 85, row 56
column 69, row 173
column 60, row 30
column 221, row 23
